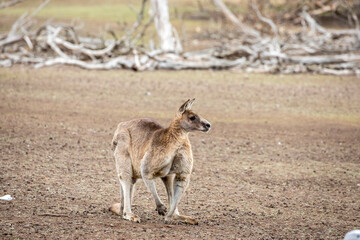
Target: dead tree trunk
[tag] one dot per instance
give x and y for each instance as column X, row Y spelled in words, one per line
column 233, row 19
column 169, row 41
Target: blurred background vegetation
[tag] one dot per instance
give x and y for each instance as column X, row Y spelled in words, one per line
column 195, row 20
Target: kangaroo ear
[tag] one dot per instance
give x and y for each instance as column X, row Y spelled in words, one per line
column 190, row 103
column 186, row 106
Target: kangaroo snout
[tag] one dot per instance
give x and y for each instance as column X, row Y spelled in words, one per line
column 206, row 126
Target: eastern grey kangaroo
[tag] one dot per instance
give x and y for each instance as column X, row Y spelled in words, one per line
column 144, row 149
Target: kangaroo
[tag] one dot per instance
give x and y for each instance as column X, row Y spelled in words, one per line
column 144, row 149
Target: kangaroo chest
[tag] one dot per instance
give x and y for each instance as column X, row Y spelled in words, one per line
column 177, row 163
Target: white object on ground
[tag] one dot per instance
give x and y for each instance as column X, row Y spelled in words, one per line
column 6, row 197
column 353, row 235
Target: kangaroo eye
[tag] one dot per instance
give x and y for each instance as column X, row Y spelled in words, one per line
column 192, row 118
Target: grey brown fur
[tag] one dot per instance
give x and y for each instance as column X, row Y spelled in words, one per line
column 144, row 149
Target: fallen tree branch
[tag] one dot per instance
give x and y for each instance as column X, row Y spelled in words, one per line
column 233, row 19
column 16, row 32
column 266, row 20
column 326, row 8
column 9, row 3
column 81, row 49
column 324, row 59
column 116, row 63
column 314, row 26
column 315, row 49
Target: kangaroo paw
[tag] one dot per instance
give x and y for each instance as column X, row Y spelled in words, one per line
column 161, row 210
column 116, row 208
column 189, row 220
column 131, row 217
column 180, row 219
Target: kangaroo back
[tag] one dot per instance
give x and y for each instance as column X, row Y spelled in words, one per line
column 139, row 131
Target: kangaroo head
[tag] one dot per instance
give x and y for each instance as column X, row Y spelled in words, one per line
column 190, row 121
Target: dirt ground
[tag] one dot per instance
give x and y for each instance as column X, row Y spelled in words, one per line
column 281, row 161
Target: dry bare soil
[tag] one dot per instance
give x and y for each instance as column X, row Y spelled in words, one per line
column 281, row 161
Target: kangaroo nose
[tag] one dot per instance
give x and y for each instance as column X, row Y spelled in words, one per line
column 208, row 125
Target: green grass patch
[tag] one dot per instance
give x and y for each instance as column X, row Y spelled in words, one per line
column 105, row 13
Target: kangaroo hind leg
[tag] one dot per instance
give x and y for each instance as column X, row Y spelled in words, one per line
column 179, row 186
column 118, row 208
column 125, row 176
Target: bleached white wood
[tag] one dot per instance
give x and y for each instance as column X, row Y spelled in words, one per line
column 168, row 40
